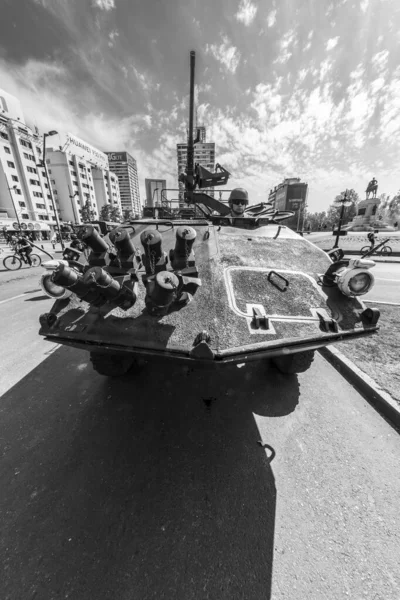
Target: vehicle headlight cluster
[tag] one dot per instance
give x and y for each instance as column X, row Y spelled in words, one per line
column 355, row 279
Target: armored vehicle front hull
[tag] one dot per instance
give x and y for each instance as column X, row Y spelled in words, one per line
column 261, row 296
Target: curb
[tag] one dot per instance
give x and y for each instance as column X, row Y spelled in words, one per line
column 371, row 391
column 351, row 253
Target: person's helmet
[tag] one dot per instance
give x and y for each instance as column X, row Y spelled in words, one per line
column 238, row 194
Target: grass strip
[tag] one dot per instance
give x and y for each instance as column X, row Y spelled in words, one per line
column 378, row 355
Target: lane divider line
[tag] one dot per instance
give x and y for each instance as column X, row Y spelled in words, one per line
column 19, row 296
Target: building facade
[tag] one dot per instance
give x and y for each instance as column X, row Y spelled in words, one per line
column 81, row 180
column 154, row 188
column 79, row 176
column 291, row 194
column 204, row 155
column 24, row 193
column 125, row 167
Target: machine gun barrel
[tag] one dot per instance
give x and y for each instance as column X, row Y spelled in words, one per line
column 190, row 149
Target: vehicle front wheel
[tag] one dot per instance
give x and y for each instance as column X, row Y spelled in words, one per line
column 111, row 365
column 294, row 363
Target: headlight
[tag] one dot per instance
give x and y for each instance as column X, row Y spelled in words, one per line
column 51, row 289
column 355, row 279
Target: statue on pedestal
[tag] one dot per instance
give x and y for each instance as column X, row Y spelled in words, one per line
column 372, row 188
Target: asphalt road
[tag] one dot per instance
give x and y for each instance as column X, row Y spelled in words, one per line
column 155, row 485
column 387, row 283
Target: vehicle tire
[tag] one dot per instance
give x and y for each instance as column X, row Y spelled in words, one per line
column 12, row 263
column 294, row 363
column 36, row 260
column 386, row 250
column 111, row 365
column 365, row 249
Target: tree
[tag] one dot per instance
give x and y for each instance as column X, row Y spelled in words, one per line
column 128, row 214
column 110, row 213
column 315, row 220
column 349, row 211
column 87, row 213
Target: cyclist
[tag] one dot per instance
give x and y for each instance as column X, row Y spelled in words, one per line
column 371, row 237
column 24, row 248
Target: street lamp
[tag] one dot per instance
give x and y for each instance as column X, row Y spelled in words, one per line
column 14, row 187
column 344, row 201
column 44, row 165
column 71, row 197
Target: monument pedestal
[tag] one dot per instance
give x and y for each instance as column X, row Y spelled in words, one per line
column 366, row 217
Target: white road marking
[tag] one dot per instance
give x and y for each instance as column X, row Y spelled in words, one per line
column 19, row 296
column 384, row 279
column 382, row 302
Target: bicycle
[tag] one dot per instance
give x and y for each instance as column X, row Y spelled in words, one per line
column 382, row 249
column 13, row 262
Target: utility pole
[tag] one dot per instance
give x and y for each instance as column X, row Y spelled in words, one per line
column 344, row 202
column 44, row 165
column 13, row 203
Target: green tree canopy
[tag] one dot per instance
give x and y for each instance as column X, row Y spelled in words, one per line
column 87, row 212
column 110, row 213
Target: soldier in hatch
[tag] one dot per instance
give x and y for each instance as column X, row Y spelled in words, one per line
column 238, row 200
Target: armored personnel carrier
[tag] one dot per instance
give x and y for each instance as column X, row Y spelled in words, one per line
column 210, row 291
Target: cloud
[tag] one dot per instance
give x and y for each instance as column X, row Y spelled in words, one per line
column 226, row 54
column 145, row 81
column 104, row 4
column 271, row 19
column 331, row 43
column 379, row 61
column 112, row 37
column 44, row 91
column 246, row 12
column 289, row 39
column 364, row 5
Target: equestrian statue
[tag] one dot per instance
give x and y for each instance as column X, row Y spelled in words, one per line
column 372, row 188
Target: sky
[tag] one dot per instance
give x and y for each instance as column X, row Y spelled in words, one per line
column 285, row 88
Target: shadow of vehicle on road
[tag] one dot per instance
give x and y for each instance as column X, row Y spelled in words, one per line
column 152, row 486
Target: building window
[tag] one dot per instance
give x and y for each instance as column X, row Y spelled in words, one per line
column 10, row 164
column 49, row 196
column 38, row 150
column 29, row 156
column 25, row 216
column 46, row 185
column 31, row 170
column 18, row 192
column 26, row 144
column 41, row 206
column 34, row 182
column 22, row 204
column 71, row 162
column 38, row 194
column 3, row 135
column 7, row 150
column 14, row 178
column 53, row 182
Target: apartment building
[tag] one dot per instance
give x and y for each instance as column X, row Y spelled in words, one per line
column 204, row 154
column 81, row 178
column 24, row 192
column 125, row 167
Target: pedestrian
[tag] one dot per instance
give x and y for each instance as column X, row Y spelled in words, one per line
column 395, row 224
